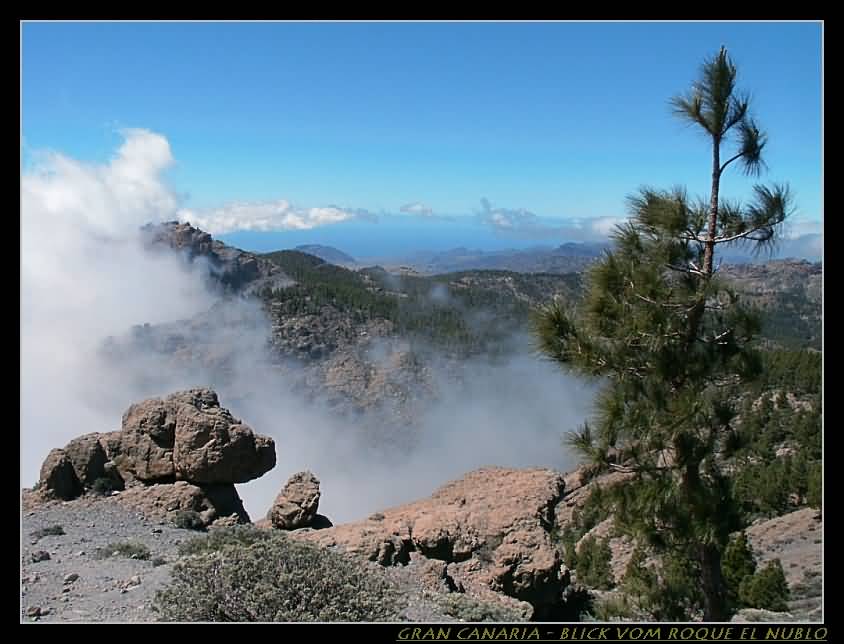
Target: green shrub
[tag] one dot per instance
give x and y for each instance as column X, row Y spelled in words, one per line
column 53, row 530
column 593, row 564
column 158, row 561
column 814, row 493
column 766, row 589
column 468, row 609
column 568, row 539
column 676, row 596
column 275, row 579
column 104, row 486
column 218, row 539
column 188, row 520
column 128, row 549
column 737, row 564
column 611, row 609
column 639, row 580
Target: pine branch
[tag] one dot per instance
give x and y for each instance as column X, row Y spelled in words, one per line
column 729, row 161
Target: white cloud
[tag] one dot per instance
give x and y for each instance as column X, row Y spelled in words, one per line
column 603, row 226
column 109, row 199
column 85, row 276
column 523, row 223
column 417, row 208
column 266, row 216
column 799, row 228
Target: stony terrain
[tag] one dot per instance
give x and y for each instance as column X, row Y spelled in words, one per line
column 121, row 589
column 114, row 588
column 466, row 537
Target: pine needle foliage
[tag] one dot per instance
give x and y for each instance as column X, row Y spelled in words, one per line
column 669, row 339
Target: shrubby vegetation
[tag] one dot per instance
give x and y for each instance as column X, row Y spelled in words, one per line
column 188, row 520
column 468, row 609
column 240, row 577
column 128, row 549
column 593, row 563
column 53, row 530
column 766, row 589
column 219, row 538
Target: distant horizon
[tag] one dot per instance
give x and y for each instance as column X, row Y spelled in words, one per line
column 806, row 247
column 397, row 137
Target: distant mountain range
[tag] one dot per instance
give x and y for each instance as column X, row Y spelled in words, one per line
column 570, row 257
column 328, row 254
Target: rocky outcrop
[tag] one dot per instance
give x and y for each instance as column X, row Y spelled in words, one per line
column 297, row 504
column 489, row 542
column 88, row 458
column 58, row 478
column 189, row 437
column 213, row 503
column 232, row 269
column 180, row 453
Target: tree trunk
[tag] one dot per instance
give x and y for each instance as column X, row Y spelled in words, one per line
column 708, row 555
column 696, row 314
column 714, row 597
column 709, row 248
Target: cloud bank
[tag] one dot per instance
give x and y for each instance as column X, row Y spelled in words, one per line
column 87, row 277
column 84, row 276
column 527, row 225
column 267, row 217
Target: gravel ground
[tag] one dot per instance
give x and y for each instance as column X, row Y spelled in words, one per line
column 114, row 588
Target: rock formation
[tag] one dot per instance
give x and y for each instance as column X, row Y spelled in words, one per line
column 183, row 452
column 297, row 504
column 230, row 268
column 491, row 543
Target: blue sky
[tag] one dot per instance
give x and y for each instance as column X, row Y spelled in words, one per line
column 556, row 120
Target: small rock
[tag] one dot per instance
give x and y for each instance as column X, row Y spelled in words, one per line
column 33, row 611
column 45, row 611
column 79, row 554
column 157, row 531
column 40, row 555
column 31, row 579
column 66, row 589
column 69, row 579
column 65, row 598
column 123, row 591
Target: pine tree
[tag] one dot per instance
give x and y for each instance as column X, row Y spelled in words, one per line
column 766, row 589
column 669, row 339
column 593, row 563
column 737, row 565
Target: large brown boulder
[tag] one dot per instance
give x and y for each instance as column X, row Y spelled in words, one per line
column 88, row 458
column 212, row 503
column 58, row 478
column 188, row 436
column 145, row 449
column 491, row 528
column 297, row 504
